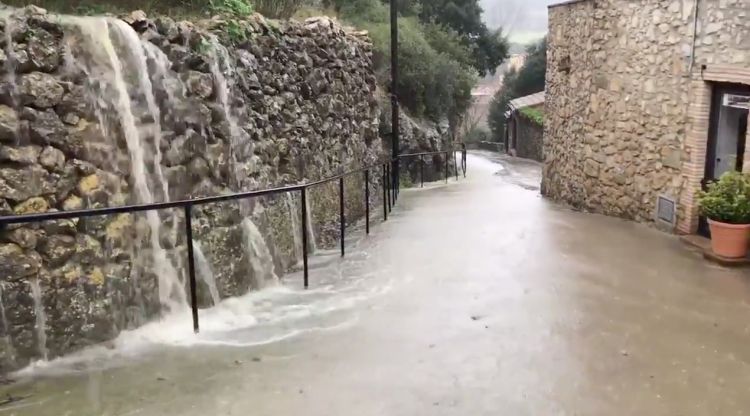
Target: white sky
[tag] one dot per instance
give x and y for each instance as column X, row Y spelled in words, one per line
column 523, row 20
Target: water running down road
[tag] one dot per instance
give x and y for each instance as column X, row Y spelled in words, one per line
column 475, row 298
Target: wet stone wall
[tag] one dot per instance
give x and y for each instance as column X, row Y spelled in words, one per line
column 99, row 112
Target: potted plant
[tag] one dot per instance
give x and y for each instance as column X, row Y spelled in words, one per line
column 726, row 204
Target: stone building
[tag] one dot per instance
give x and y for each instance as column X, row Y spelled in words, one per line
column 523, row 132
column 646, row 101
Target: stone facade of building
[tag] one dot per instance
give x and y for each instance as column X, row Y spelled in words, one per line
column 629, row 86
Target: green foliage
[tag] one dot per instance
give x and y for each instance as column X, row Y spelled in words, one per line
column 489, row 48
column 527, row 80
column 728, row 199
column 435, row 73
column 237, row 8
column 235, row 32
column 534, row 114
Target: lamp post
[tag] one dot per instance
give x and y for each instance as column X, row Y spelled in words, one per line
column 394, row 96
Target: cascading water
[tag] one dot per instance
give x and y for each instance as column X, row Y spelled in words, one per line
column 205, row 273
column 312, row 246
column 108, row 67
column 40, row 325
column 238, row 139
column 294, row 214
column 6, row 327
column 261, row 261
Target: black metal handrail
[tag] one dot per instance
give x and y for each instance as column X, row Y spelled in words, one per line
column 390, row 194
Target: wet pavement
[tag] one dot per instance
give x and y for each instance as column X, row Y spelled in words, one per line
column 474, row 298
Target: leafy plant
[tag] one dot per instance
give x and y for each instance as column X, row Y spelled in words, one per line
column 534, row 114
column 235, row 32
column 239, row 8
column 728, row 199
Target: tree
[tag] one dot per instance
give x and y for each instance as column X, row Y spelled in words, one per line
column 529, row 79
column 489, row 48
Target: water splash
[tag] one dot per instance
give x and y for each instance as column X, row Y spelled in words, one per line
column 261, row 261
column 40, row 325
column 205, row 273
column 108, row 67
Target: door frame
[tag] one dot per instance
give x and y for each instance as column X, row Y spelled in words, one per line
column 718, row 89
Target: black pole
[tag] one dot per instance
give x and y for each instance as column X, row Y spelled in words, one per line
column 394, row 93
column 421, row 171
column 455, row 163
column 389, row 185
column 342, row 219
column 385, row 194
column 304, row 233
column 367, row 201
column 446, row 167
column 191, row 266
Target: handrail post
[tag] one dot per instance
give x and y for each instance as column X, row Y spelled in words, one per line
column 304, row 234
column 191, row 266
column 342, row 219
column 446, row 167
column 367, row 201
column 385, row 194
column 421, row 171
column 455, row 163
column 389, row 182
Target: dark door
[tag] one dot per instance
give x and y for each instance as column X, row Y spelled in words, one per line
column 726, row 136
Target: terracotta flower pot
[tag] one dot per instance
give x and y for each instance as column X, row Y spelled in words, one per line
column 729, row 240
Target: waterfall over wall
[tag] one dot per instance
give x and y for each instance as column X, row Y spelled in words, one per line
column 99, row 111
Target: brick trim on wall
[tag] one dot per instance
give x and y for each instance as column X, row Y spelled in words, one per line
column 696, row 143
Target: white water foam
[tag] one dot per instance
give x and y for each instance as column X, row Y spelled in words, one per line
column 205, row 273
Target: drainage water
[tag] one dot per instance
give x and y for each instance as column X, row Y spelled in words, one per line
column 106, row 66
column 261, row 261
column 205, row 273
column 41, row 318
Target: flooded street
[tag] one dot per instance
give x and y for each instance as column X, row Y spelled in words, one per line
column 474, row 298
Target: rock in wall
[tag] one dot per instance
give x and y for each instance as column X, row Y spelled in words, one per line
column 101, row 112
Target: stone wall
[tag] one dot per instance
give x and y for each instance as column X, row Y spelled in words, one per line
column 530, row 136
column 618, row 93
column 94, row 113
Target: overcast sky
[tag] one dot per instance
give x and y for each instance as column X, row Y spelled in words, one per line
column 523, row 20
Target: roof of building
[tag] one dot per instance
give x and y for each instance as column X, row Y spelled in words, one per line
column 527, row 101
column 566, row 3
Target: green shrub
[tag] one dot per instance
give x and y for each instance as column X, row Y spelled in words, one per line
column 534, row 114
column 728, row 199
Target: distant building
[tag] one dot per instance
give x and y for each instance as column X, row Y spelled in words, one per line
column 646, row 102
column 523, row 131
column 485, row 90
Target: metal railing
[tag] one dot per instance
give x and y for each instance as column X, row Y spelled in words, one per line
column 390, row 194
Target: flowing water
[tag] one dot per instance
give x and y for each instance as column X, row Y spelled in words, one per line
column 205, row 273
column 261, row 261
column 294, row 219
column 107, row 65
column 41, row 318
column 312, row 246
